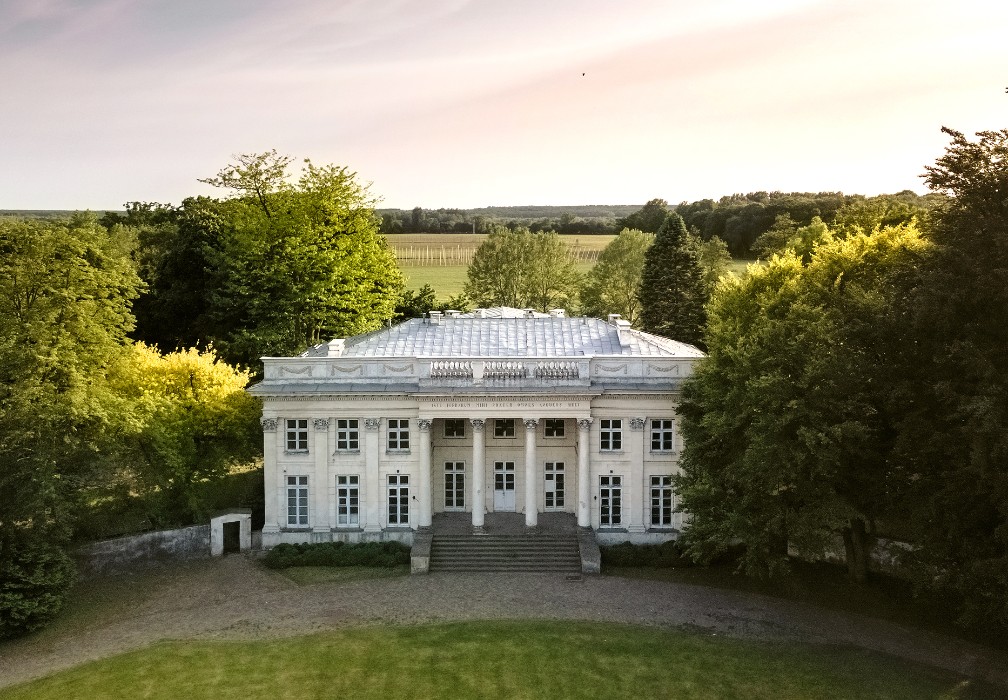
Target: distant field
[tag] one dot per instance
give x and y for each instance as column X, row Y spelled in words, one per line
column 447, row 280
column 453, row 249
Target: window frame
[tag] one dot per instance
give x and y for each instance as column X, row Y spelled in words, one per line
column 662, row 486
column 610, row 435
column 397, row 435
column 300, row 517
column 554, row 428
column 298, row 428
column 504, row 428
column 457, row 426
column 351, row 506
column 348, row 434
column 397, row 494
column 607, row 484
column 663, row 435
column 454, row 498
column 556, row 470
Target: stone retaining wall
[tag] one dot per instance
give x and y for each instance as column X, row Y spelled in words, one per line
column 141, row 551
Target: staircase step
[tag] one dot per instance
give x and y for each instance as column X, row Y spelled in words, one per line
column 554, row 552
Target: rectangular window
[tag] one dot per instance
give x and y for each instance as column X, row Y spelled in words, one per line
column 348, row 501
column 504, row 428
column 454, row 427
column 610, row 435
column 454, row 485
column 347, row 435
column 398, row 433
column 554, row 492
column 662, row 436
column 297, row 434
column 662, row 501
column 610, row 501
column 553, row 427
column 297, row 500
column 398, row 499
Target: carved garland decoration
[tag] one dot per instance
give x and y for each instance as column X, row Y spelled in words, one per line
column 269, row 425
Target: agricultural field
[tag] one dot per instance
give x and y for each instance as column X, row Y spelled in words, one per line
column 441, row 259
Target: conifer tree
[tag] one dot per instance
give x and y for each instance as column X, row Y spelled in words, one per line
column 673, row 291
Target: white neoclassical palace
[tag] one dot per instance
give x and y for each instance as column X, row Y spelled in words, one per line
column 495, row 410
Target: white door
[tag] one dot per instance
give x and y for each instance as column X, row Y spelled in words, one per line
column 504, row 486
column 554, row 486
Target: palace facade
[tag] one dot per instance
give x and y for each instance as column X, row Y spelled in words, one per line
column 495, row 410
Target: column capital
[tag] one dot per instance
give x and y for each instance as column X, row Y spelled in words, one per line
column 530, row 423
column 372, row 423
column 321, row 423
column 636, row 424
column 424, row 424
column 477, row 424
column 269, row 425
column 585, row 423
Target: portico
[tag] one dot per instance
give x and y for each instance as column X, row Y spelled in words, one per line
column 498, row 411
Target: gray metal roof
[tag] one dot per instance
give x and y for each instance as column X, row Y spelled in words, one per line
column 504, row 336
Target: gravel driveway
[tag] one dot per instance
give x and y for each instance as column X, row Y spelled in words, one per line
column 235, row 598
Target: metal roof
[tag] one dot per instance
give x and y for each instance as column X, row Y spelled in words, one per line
column 510, row 335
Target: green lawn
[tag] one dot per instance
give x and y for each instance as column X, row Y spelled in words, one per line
column 496, row 660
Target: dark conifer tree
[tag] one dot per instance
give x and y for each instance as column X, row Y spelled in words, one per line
column 672, row 291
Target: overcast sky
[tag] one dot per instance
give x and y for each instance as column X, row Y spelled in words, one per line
column 456, row 103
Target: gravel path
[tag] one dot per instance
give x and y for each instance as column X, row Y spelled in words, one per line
column 235, row 598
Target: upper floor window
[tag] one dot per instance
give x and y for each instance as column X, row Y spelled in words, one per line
column 553, row 427
column 398, row 433
column 504, row 428
column 454, row 427
column 610, row 434
column 662, row 435
column 347, row 434
column 297, row 434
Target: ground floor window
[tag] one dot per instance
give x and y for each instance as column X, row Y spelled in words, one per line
column 454, row 485
column 554, row 486
column 610, row 501
column 398, row 499
column 348, row 500
column 662, row 501
column 297, row 500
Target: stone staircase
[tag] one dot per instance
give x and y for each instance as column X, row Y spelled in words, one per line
column 535, row 550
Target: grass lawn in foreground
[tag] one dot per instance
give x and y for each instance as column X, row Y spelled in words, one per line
column 496, row 659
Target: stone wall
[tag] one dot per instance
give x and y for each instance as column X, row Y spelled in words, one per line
column 146, row 550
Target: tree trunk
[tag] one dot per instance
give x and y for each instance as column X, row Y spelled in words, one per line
column 856, row 550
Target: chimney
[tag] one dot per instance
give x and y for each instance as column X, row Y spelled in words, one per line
column 336, row 347
column 558, row 313
column 435, row 318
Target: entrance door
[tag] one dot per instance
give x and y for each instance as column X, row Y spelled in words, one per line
column 232, row 537
column 504, row 486
column 554, row 486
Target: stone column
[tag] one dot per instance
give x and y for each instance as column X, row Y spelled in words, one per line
column 374, row 497
column 479, row 472
column 271, row 479
column 319, row 483
column 584, row 472
column 424, row 424
column 634, row 505
column 531, row 470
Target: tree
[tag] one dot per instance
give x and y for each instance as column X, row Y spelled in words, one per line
column 259, row 176
column 672, row 292
column 954, row 432
column 613, row 284
column 714, row 259
column 65, row 291
column 787, row 424
column 648, row 218
column 293, row 265
column 522, row 269
column 187, row 421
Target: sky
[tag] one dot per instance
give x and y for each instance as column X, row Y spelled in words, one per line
column 466, row 103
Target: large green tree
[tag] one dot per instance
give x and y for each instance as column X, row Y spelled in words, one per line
column 522, row 269
column 648, row 218
column 672, row 290
column 787, row 433
column 65, row 291
column 612, row 286
column 293, row 264
column 954, row 435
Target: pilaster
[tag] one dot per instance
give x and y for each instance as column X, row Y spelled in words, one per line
column 373, row 494
column 270, row 478
column 635, row 490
